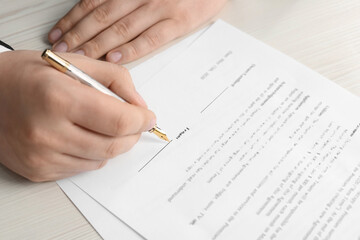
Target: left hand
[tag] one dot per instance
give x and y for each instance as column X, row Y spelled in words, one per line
column 126, row 30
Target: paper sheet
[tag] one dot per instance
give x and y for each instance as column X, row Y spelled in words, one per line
column 105, row 223
column 261, row 149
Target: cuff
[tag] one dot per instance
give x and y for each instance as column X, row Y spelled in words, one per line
column 4, row 47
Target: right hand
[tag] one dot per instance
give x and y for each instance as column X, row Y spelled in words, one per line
column 52, row 127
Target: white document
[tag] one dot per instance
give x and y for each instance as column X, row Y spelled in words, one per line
column 105, row 223
column 262, row 148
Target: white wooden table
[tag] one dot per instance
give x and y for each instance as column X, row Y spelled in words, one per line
column 322, row 34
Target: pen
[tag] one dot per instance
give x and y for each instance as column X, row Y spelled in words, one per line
column 66, row 67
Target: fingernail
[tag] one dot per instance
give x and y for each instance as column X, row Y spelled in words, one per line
column 115, row 57
column 61, row 47
column 55, row 35
column 141, row 100
column 152, row 124
column 80, row 52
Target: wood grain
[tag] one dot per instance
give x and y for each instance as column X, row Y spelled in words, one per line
column 322, row 34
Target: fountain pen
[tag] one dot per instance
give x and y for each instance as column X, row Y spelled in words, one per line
column 66, row 67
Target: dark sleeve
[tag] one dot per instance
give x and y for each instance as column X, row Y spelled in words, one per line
column 6, row 45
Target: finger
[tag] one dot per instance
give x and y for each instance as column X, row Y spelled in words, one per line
column 112, row 76
column 121, row 32
column 151, row 39
column 107, row 115
column 72, row 164
column 95, row 22
column 53, row 166
column 79, row 11
column 89, row 145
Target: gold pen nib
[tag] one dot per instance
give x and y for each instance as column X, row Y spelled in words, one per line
column 158, row 132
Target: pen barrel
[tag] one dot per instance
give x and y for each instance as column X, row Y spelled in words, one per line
column 79, row 75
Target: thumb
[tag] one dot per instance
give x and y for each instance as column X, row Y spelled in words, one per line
column 123, row 86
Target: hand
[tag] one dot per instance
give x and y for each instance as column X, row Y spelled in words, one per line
column 126, row 30
column 52, row 126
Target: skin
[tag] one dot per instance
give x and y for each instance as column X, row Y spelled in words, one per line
column 125, row 30
column 52, row 127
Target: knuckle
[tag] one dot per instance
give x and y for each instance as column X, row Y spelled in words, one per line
column 35, row 136
column 153, row 39
column 88, row 5
column 55, row 100
column 93, row 48
column 120, row 71
column 121, row 28
column 101, row 15
column 73, row 38
column 131, row 51
column 65, row 23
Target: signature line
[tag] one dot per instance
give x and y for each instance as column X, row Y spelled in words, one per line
column 214, row 100
column 155, row 156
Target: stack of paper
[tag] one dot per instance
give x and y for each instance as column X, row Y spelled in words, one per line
column 262, row 148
